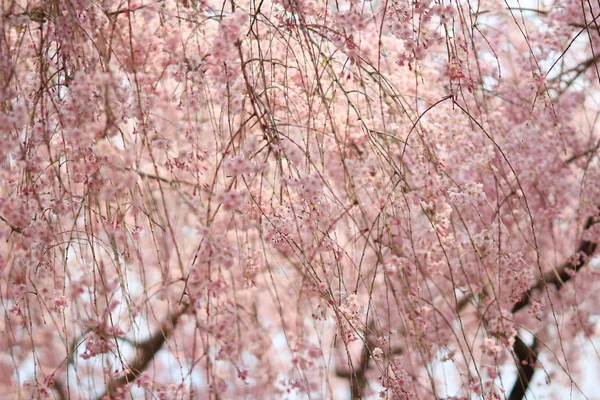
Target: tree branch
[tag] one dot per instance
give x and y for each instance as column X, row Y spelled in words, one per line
column 526, row 359
column 59, row 388
column 145, row 353
column 526, row 355
column 575, row 157
column 565, row 273
column 358, row 375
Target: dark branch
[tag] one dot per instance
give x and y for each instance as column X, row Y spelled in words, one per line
column 526, row 359
column 359, row 378
column 565, row 273
column 358, row 375
column 61, row 392
column 523, row 352
column 526, row 355
column 145, row 353
column 584, row 154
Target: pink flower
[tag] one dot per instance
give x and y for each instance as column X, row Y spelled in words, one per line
column 231, row 200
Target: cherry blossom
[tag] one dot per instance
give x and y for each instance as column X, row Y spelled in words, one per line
column 298, row 199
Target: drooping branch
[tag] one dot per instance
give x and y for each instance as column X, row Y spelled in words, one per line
column 526, row 355
column 556, row 278
column 145, row 353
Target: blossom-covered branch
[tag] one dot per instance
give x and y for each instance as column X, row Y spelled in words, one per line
column 351, row 197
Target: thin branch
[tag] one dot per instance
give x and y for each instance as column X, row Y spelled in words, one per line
column 584, row 154
column 523, row 352
column 12, row 227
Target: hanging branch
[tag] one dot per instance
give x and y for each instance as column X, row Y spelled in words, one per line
column 526, row 356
